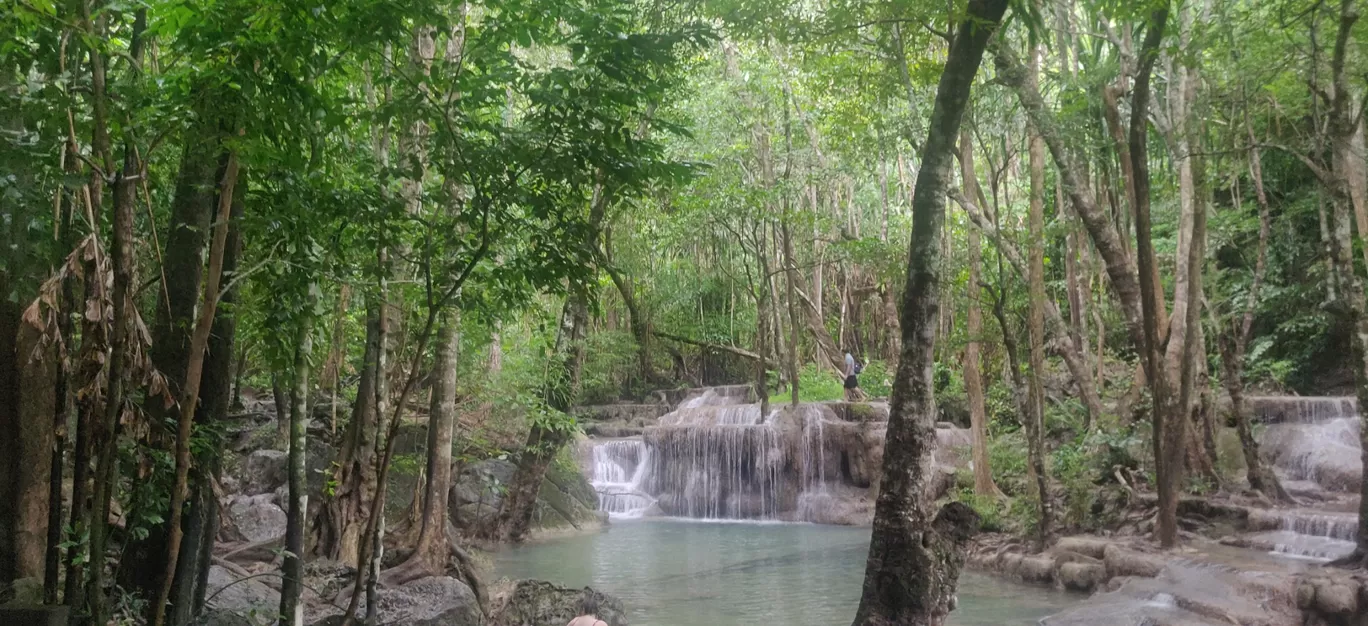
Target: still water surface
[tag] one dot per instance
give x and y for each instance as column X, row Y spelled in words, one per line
column 686, row 573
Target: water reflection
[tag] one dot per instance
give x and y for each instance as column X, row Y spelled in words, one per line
column 678, row 573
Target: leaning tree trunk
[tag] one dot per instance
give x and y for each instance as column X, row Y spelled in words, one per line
column 202, row 520
column 515, row 515
column 192, row 209
column 915, row 559
column 1235, row 339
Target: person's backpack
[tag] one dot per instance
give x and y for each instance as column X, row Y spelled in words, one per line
column 859, row 367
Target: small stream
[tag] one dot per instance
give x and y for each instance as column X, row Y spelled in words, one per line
column 682, row 573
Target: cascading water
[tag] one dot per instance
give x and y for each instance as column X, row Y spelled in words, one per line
column 717, row 457
column 1313, row 441
column 1305, row 533
column 619, row 468
column 1313, row 445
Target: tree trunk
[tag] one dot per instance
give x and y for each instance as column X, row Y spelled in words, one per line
column 1168, row 429
column 914, row 559
column 37, row 364
column 1235, row 339
column 1034, row 419
column 1350, row 306
column 431, row 549
column 189, row 399
column 193, row 204
column 973, row 379
column 124, row 308
column 562, row 389
column 338, row 526
column 292, row 571
column 9, row 432
column 188, row 590
column 281, row 395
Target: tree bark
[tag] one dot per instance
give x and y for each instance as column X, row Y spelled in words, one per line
column 973, row 379
column 1034, row 419
column 914, row 559
column 1168, row 429
column 429, row 557
column 189, row 398
column 292, row 571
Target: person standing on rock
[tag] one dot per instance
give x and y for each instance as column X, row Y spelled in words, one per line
column 588, row 614
column 852, row 381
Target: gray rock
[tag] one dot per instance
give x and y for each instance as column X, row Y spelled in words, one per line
column 257, row 517
column 433, row 601
column 265, row 472
column 240, row 601
column 539, row 603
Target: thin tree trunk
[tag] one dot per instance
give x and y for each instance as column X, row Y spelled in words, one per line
column 1234, row 341
column 1034, row 419
column 914, row 559
column 292, row 570
column 124, row 309
column 973, row 379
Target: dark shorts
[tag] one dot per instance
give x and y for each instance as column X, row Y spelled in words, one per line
column 852, row 382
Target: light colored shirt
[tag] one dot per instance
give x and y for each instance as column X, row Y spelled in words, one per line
column 587, row 620
column 850, row 365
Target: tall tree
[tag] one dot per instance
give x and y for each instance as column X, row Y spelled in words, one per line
column 914, row 559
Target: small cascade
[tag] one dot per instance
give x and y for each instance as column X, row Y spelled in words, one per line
column 1313, row 444
column 814, row 495
column 619, row 468
column 1305, row 533
column 1300, row 409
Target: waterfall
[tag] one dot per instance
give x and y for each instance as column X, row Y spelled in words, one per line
column 718, row 472
column 1312, row 440
column 1313, row 445
column 717, row 457
column 620, row 466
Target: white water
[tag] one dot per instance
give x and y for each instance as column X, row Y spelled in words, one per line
column 1310, row 441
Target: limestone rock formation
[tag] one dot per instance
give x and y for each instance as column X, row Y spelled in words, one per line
column 539, row 603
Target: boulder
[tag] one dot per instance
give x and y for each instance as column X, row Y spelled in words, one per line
column 257, row 517
column 1083, row 577
column 34, row 615
column 264, row 472
column 539, row 603
column 432, row 601
column 240, row 601
column 566, row 500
